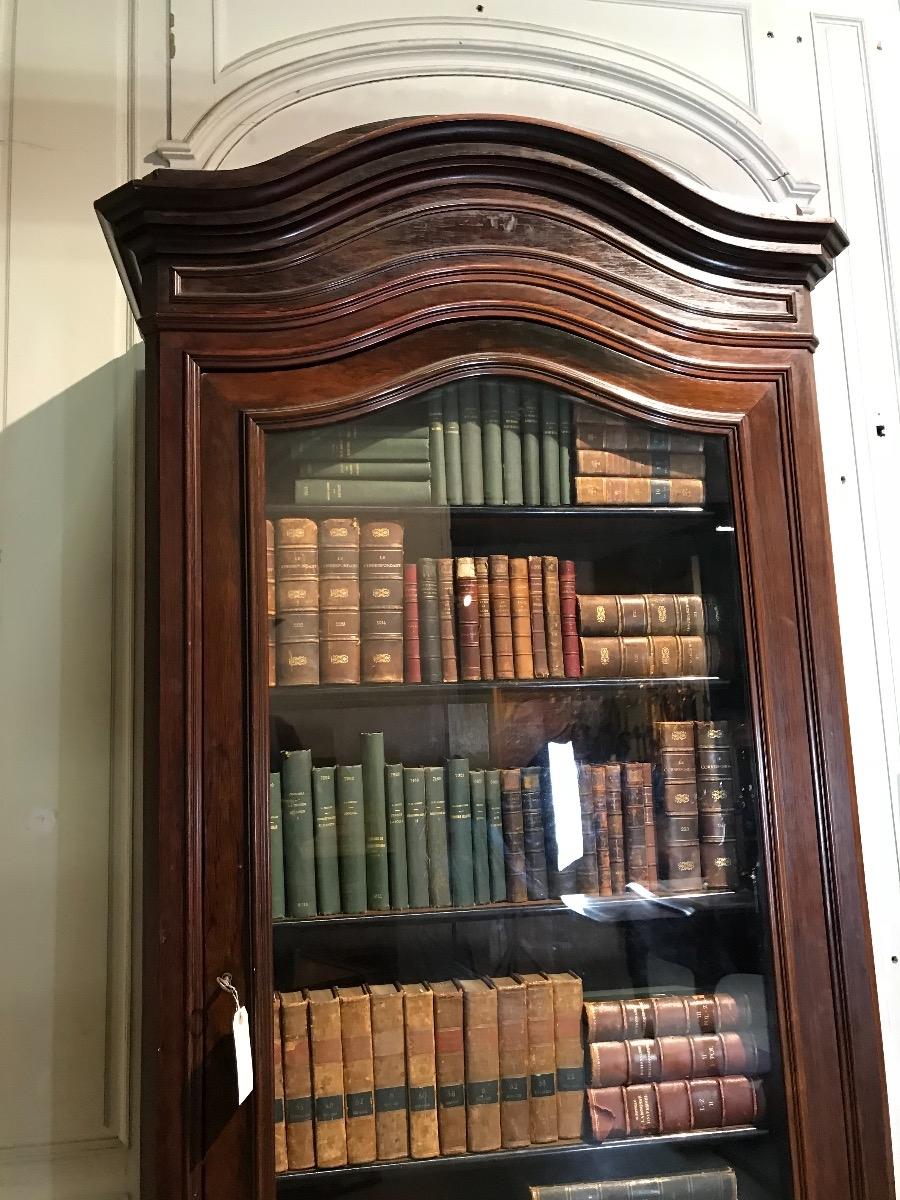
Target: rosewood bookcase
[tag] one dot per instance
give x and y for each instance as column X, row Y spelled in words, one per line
column 491, row 637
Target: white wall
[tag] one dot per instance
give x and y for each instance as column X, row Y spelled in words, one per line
column 769, row 101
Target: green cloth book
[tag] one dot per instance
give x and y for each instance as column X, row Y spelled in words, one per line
column 375, row 806
column 470, row 442
column 531, row 445
column 361, row 491
column 565, row 450
column 416, row 844
column 549, row 446
column 352, row 443
column 452, row 451
column 351, row 825
column 495, row 834
column 396, row 827
column 481, row 870
column 511, row 437
column 459, row 814
column 328, row 886
column 276, row 846
column 491, row 442
column 436, row 452
column 436, row 830
column 298, row 832
column 313, row 468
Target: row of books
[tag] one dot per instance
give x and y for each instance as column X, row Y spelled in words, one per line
column 392, row 1071
column 619, row 461
column 647, row 636
column 719, row 1183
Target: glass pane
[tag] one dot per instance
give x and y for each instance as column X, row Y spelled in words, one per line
column 519, row 930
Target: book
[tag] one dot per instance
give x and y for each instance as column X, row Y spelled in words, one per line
column 679, row 854
column 459, row 815
column 539, row 647
column 351, row 829
column 429, row 624
column 615, row 824
column 389, row 1071
column 634, row 821
column 549, row 446
column 543, row 1120
column 649, row 613
column 470, row 442
column 363, row 441
column 571, row 647
column 416, row 844
column 436, row 838
column 296, row 575
column 494, row 806
column 421, row 1078
column 412, row 660
column 558, row 805
column 587, row 875
column 511, row 436
column 691, row 1056
column 665, row 464
column 298, row 833
column 359, row 1073
column 480, row 860
column 436, row 452
column 501, row 616
column 362, row 491
column 278, row 1115
column 396, row 834
column 531, row 444
column 650, row 828
column 394, row 470
column 298, row 1104
column 675, row 1107
column 716, row 793
column 513, row 835
column 679, row 848
column 567, row 1001
column 665, row 1016
column 375, row 817
column 565, row 450
column 552, row 601
column 482, row 1052
column 491, row 441
column 485, row 637
column 276, row 846
column 643, row 657
column 512, row 1038
column 610, row 489
column 450, row 1066
column 717, row 1184
column 327, row 1077
column 452, row 448
column 533, row 835
column 382, row 592
column 467, row 619
column 521, row 618
column 339, row 650
column 328, row 886
column 446, row 623
column 597, row 429
column 601, row 827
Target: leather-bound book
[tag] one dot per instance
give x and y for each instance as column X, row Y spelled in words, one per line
column 561, row 875
column 481, row 1036
column 536, row 606
column 276, row 846
column 718, row 863
column 298, row 1105
column 549, row 446
column 650, row 826
column 587, row 876
column 470, row 442
column 512, row 1026
column 646, row 464
column 429, row 622
column 634, row 819
column 271, row 653
column 382, row 593
column 603, row 490
column 450, row 1066
column 543, row 1118
column 565, row 451
column 452, row 448
column 459, row 815
column 339, row 651
column 717, row 799
column 328, row 887
column 597, row 429
column 436, row 447
column 446, row 623
column 396, row 829
column 511, row 434
column 567, row 1004
column 298, row 826
column 491, row 441
column 521, row 618
column 375, row 816
column 675, row 1107
column 616, row 828
column 533, row 835
column 601, row 827
column 359, row 1073
column 485, row 637
column 494, row 807
column 480, row 855
column 501, row 617
column 436, row 838
column 665, row 1016
column 513, row 835
column 467, row 619
column 531, row 443
column 679, row 846
column 281, row 1153
column 552, row 601
column 679, row 854
column 351, row 827
column 421, row 1079
column 654, row 1060
column 389, row 1071
column 327, row 1077
column 571, row 646
column 412, row 659
column 716, row 1184
column 297, row 628
column 271, row 608
column 416, row 837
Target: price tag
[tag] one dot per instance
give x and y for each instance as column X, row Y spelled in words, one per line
column 242, row 1054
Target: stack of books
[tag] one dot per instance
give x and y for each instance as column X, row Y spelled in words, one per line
column 653, row 635
column 719, row 1183
column 392, row 1071
column 618, row 461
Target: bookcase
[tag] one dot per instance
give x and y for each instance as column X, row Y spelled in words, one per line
column 496, row 746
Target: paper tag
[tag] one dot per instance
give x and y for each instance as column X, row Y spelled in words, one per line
column 242, row 1054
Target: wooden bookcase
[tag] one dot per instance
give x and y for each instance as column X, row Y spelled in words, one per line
column 342, row 283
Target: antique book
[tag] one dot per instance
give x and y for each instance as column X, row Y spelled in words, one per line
column 643, row 657
column 328, row 886
column 297, row 826
column 650, row 827
column 539, row 646
column 675, row 1107
column 718, row 862
column 485, row 637
column 421, row 1083
column 381, row 587
column 298, row 1104
column 494, row 806
column 549, row 446
column 339, row 651
column 512, row 1027
column 561, row 873
column 501, row 616
column 467, row 619
column 587, row 876
column 364, row 441
column 533, row 835
column 521, row 618
column 296, row 601
column 678, row 851
column 679, row 854
column 351, row 828
column 394, row 470
column 416, row 838
column 543, row 1120
column 459, row 816
column 362, row 491
column 565, row 451
column 634, row 822
column 599, row 430
column 480, row 861
column 608, row 489
column 375, row 817
column 491, row 441
column 531, row 443
column 512, row 444
column 276, row 846
column 717, row 793
column 567, row 1002
column 715, row 1184
column 436, row 447
column 695, row 1056
column 667, row 464
column 327, row 1077
column 396, row 836
column 436, row 838
column 429, row 622
column 615, row 824
column 278, row 1116
column 552, row 601
column 571, row 647
column 513, row 835
column 450, row 1066
column 359, row 1073
column 648, row 613
column 389, row 1071
column 452, row 451
column 412, row 659
column 664, row 1016
column 601, row 827
column 446, row 623
column 481, row 1036
column 470, row 442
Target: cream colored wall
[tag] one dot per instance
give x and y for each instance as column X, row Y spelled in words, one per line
column 89, row 98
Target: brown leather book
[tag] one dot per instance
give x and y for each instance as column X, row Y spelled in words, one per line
column 389, row 1062
column 679, row 854
column 654, row 1060
column 339, row 656
column 717, row 796
column 446, row 606
column 609, row 489
column 675, row 1107
column 665, row 1016
column 270, row 569
column 512, row 1024
column 650, row 827
column 450, row 1061
column 521, row 618
column 553, row 622
column 601, row 828
column 616, row 826
column 541, row 1058
column 327, row 1077
column 485, row 637
column 359, row 1073
column 501, row 617
column 467, row 619
column 671, row 464
column 634, row 820
column 421, row 1075
column 513, row 835
column 301, row 532
column 281, row 1154
column 571, row 648
column 482, row 1065
column 567, row 1004
column 655, row 614
column 679, row 845
column 271, row 651
column 412, row 661
column 617, row 657
column 587, row 878
column 298, row 1104
column 539, row 647
column 612, row 431
column 382, row 591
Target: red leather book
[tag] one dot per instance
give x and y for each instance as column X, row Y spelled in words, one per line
column 571, row 649
column 664, row 1016
column 467, row 619
column 412, row 661
column 655, row 1060
column 675, row 1107
column 446, row 623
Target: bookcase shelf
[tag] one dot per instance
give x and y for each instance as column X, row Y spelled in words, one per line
column 470, row 512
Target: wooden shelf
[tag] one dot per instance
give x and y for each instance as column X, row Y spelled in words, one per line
column 468, row 512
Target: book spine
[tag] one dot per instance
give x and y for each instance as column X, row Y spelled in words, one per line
column 450, row 1067
column 351, row 825
column 375, row 816
column 598, row 429
column 533, row 835
column 680, row 854
column 467, row 619
column 396, row 828
column 665, row 1016
column 634, row 820
column 650, row 828
column 452, row 450
column 661, row 615
column 389, row 1062
column 616, row 828
column 470, row 442
column 298, row 834
column 513, row 835
column 436, row 452
column 381, row 601
column 700, row 1185
column 549, row 447
column 459, row 814
column 327, row 1078
column 416, row 837
column 552, row 598
column 716, row 793
column 679, row 850
column 691, row 1056
column 512, row 444
column 512, row 1029
column 480, row 861
column 429, row 622
column 298, row 1106
column 412, row 656
column 561, row 875
column 380, row 471
column 485, row 639
column 601, row 826
column 541, row 1059
column 449, row 670
column 339, row 651
column 663, row 464
column 359, row 1074
column 571, row 646
column 362, row 491
column 482, row 1052
column 492, row 444
column 436, row 838
column 278, row 1115
column 493, row 803
column 678, row 1106
column 567, row 1002
column 539, row 647
column 521, row 618
column 565, row 451
column 587, row 879
column 328, row 885
column 276, row 847
column 531, row 444
column 421, row 1076
column 296, row 601
column 609, row 489
column 501, row 616
column 359, row 444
